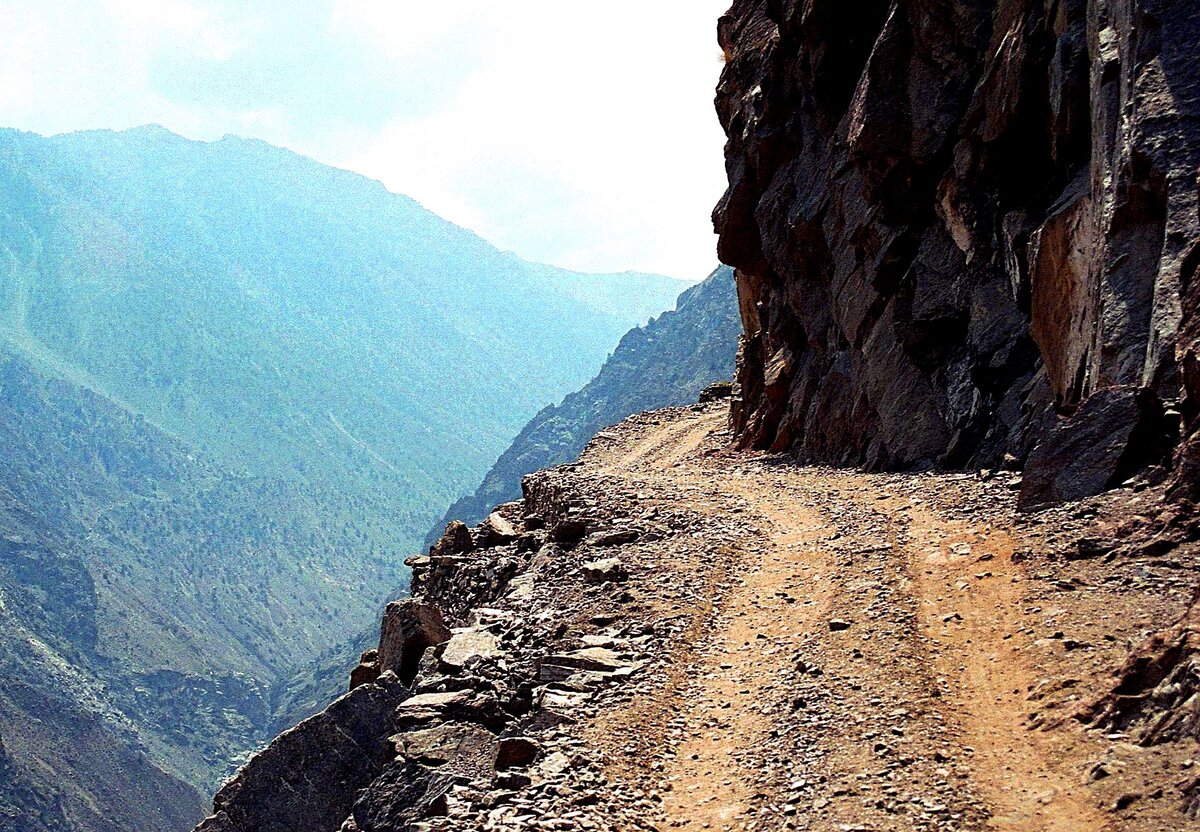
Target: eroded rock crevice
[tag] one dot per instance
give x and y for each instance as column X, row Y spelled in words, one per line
column 1156, row 695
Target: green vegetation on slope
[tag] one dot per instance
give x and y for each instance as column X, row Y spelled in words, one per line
column 171, row 594
column 290, row 319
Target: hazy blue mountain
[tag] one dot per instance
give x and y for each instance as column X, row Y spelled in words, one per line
column 665, row 363
column 236, row 387
column 103, row 667
column 287, row 318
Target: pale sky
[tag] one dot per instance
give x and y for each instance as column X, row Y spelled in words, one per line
column 578, row 134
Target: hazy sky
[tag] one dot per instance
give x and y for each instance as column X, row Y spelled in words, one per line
column 579, row 134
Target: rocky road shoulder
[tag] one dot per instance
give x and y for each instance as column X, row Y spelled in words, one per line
column 665, row 635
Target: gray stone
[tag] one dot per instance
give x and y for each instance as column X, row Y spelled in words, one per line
column 409, row 628
column 604, row 570
column 466, row 645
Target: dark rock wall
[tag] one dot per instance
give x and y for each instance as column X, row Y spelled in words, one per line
column 1187, row 475
column 955, row 222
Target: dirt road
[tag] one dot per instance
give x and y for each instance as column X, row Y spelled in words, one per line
column 881, row 652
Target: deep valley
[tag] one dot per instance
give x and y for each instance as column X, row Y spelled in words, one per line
column 320, row 513
column 226, row 424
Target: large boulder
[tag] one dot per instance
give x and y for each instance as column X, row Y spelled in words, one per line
column 367, row 669
column 409, row 628
column 456, row 540
column 404, row 793
column 428, row 710
column 307, row 778
column 604, row 570
column 466, row 748
column 495, row 530
column 1109, row 437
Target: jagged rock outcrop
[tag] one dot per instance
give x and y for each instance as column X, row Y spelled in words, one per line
column 438, row 710
column 964, row 230
column 1187, row 474
column 308, row 778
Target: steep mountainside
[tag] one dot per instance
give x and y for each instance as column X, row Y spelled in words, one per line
column 667, row 362
column 965, row 230
column 70, row 758
column 290, row 319
column 235, row 389
column 181, row 592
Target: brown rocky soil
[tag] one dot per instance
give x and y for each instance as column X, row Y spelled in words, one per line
column 668, row 635
column 881, row 660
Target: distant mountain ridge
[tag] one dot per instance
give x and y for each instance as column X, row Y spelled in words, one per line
column 664, row 363
column 324, row 267
column 236, row 386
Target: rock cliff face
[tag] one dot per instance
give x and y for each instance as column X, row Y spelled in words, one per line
column 965, row 230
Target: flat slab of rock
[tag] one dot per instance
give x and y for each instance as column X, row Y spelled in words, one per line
column 602, row 665
column 615, row 537
column 555, row 764
column 589, row 658
column 427, row 707
column 484, row 616
column 562, row 700
column 605, row 570
column 464, row 745
column 469, row 644
column 717, row 391
column 520, row 587
column 427, row 710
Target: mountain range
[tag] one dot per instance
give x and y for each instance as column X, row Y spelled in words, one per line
column 236, row 387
